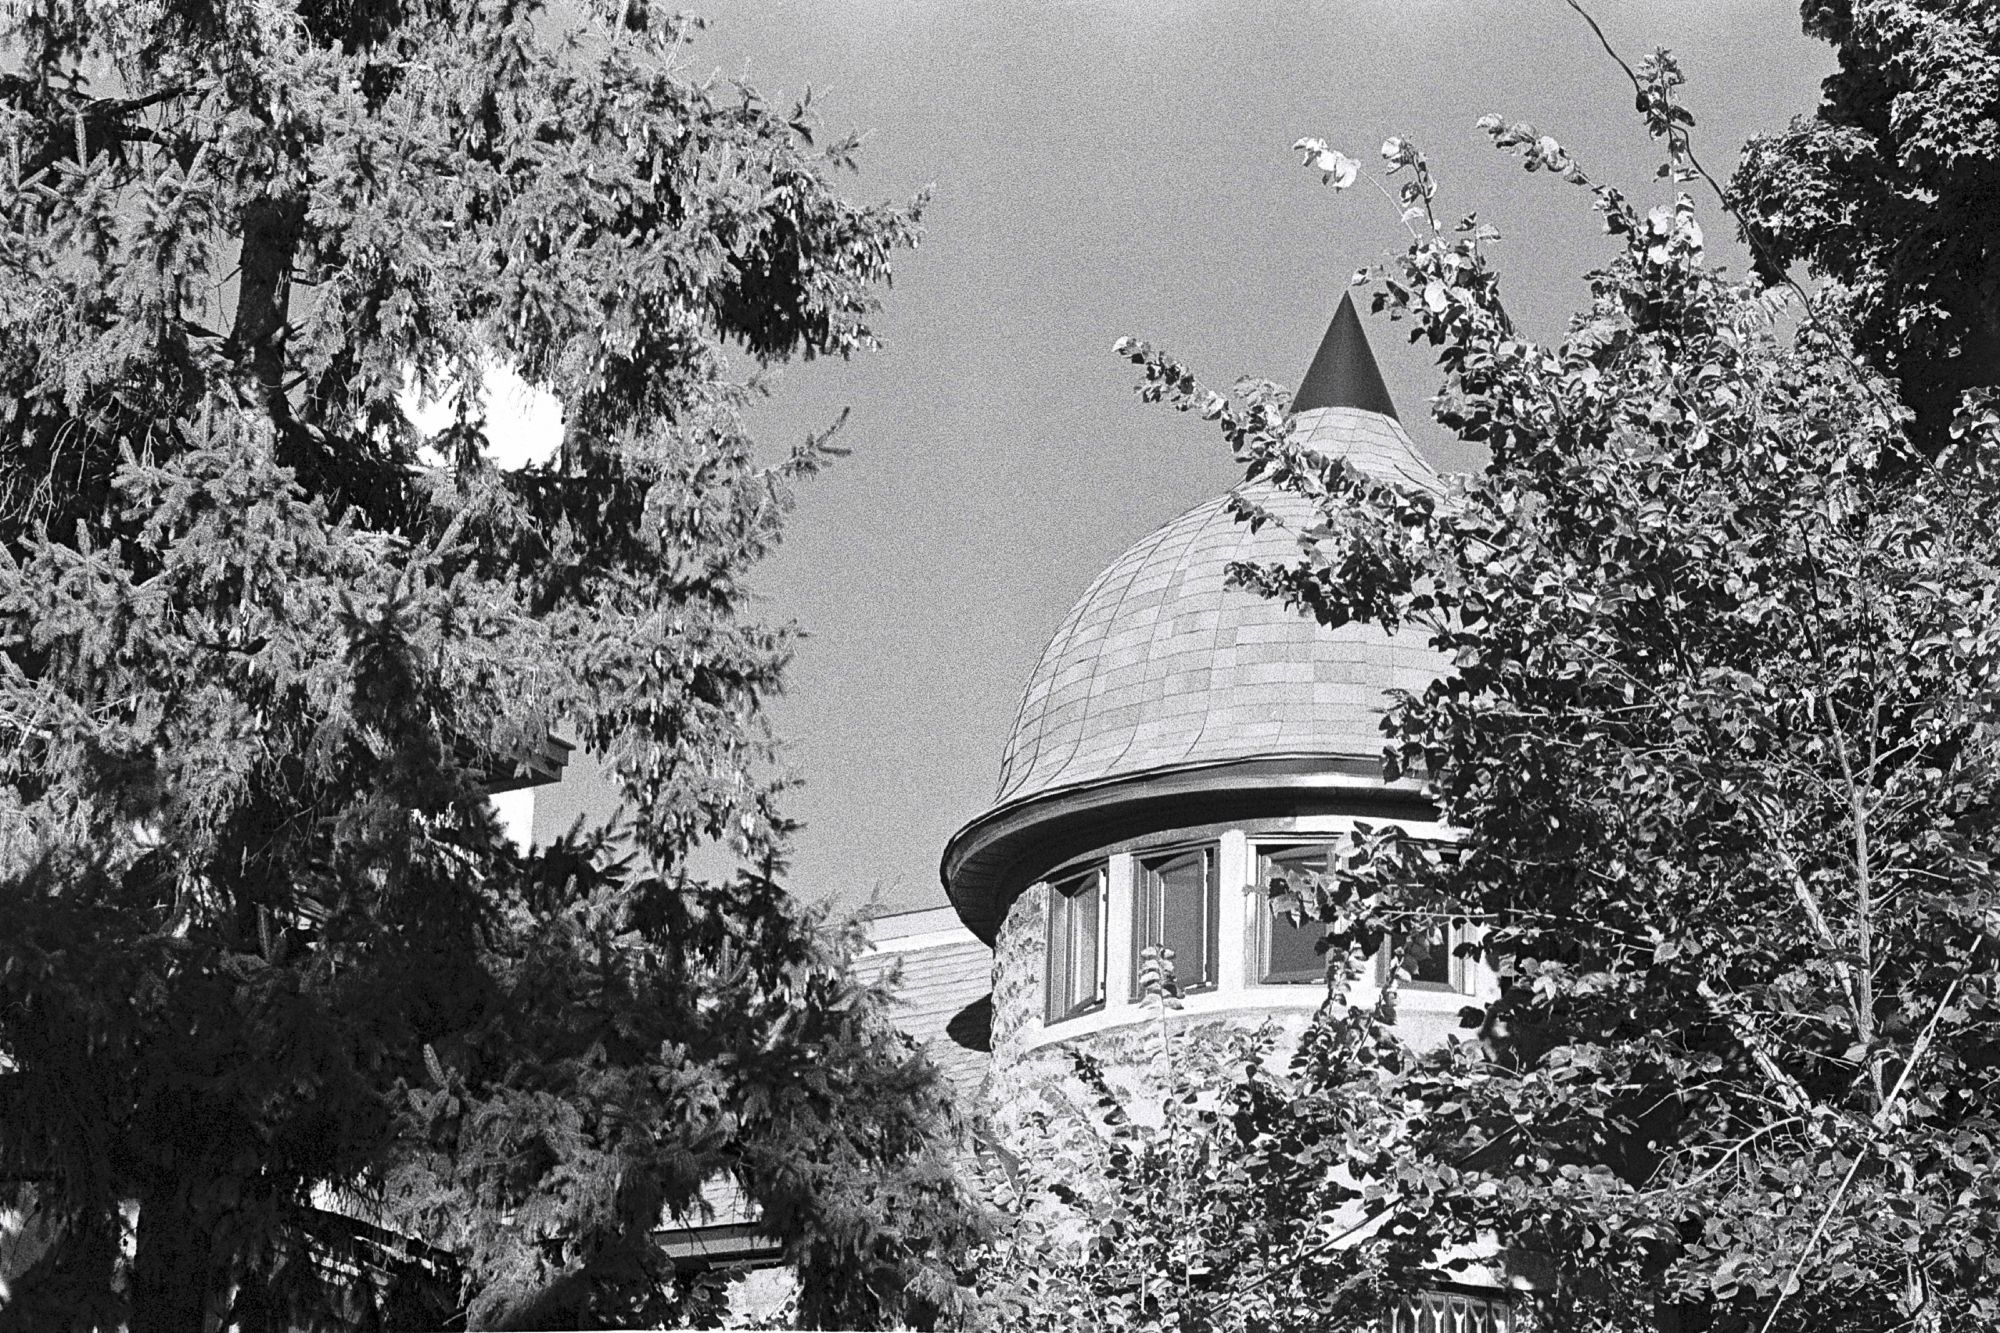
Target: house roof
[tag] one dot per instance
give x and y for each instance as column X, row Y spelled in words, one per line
column 1163, row 662
column 537, row 761
column 941, row 969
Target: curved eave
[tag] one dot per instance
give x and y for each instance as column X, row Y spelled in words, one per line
column 989, row 861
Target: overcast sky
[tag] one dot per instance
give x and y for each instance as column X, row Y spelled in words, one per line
column 1124, row 166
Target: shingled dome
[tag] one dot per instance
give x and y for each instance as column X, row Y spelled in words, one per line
column 1164, row 669
column 1163, row 664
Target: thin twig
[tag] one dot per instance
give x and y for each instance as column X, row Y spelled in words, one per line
column 1850, row 984
column 1795, row 1097
column 1396, row 204
column 1728, row 1155
column 1819, row 1230
column 1679, row 139
column 1917, row 1053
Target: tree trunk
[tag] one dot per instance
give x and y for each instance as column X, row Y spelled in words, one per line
column 264, row 292
column 173, row 1272
column 273, row 230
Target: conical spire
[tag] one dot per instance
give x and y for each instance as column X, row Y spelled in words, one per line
column 1343, row 372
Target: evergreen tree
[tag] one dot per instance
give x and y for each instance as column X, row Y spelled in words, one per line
column 271, row 979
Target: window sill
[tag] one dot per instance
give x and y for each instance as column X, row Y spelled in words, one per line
column 1278, row 998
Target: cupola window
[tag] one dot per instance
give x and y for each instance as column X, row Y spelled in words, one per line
column 1077, row 906
column 1176, row 909
column 1429, row 960
column 1288, row 951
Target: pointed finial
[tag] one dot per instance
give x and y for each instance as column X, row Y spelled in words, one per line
column 1343, row 372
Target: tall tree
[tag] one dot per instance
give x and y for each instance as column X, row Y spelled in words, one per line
column 1892, row 188
column 1718, row 736
column 267, row 645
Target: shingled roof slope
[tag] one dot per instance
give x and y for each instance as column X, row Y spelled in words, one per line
column 941, row 968
column 1162, row 663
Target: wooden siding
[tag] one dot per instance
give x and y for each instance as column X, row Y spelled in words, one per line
column 941, row 968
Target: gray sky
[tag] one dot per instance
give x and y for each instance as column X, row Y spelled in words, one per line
column 1117, row 167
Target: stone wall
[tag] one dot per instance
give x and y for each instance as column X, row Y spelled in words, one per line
column 1032, row 1092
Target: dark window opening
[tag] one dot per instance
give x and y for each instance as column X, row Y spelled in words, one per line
column 1176, row 909
column 1289, row 951
column 1428, row 959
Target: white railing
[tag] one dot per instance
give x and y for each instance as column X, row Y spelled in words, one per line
column 1448, row 1312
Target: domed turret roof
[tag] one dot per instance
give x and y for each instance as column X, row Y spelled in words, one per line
column 1163, row 663
column 1163, row 667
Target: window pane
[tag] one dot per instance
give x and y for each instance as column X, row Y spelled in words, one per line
column 1184, row 929
column 1084, row 952
column 1428, row 959
column 1058, row 971
column 1290, row 950
column 1075, row 953
column 1293, row 953
column 1177, row 909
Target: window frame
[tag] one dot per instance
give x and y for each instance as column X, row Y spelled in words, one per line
column 1459, row 968
column 1260, row 852
column 1057, row 970
column 1461, row 975
column 1145, row 905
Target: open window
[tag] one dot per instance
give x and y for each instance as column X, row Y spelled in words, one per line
column 1431, row 958
column 1076, row 943
column 1176, row 908
column 1287, row 951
